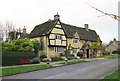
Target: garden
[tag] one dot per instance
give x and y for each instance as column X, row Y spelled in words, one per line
column 19, row 51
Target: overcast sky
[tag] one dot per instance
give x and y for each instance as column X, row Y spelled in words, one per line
column 30, row 13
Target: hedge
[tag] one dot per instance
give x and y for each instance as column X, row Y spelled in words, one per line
column 13, row 58
column 55, row 59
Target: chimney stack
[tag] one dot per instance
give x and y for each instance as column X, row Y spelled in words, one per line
column 114, row 39
column 24, row 30
column 56, row 16
column 86, row 27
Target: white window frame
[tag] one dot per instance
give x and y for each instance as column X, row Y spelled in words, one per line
column 58, row 49
column 58, row 37
column 74, row 40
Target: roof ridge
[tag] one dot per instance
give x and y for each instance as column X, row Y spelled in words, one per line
column 46, row 22
column 77, row 26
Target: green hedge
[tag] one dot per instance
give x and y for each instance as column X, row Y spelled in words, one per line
column 106, row 53
column 55, row 59
column 12, row 58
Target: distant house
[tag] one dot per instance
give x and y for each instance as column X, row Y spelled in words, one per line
column 113, row 46
column 13, row 35
column 57, row 36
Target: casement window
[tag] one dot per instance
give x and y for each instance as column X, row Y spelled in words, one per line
column 58, row 37
column 58, row 49
column 75, row 41
column 75, row 50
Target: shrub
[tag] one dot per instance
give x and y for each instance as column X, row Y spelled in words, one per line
column 62, row 54
column 8, row 46
column 34, row 60
column 55, row 59
column 43, row 56
column 36, row 45
column 106, row 53
column 80, row 54
column 23, row 61
column 116, row 52
column 23, row 44
column 72, row 55
column 13, row 58
column 44, row 60
column 18, row 45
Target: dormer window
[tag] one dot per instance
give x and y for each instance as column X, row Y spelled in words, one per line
column 58, row 37
column 75, row 40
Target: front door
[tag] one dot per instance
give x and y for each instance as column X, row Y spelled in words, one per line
column 87, row 53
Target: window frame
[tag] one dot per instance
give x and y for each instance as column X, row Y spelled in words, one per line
column 75, row 40
column 58, row 49
column 58, row 37
column 75, row 49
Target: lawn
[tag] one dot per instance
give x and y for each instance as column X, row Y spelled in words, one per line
column 115, row 76
column 21, row 69
column 111, row 56
column 72, row 62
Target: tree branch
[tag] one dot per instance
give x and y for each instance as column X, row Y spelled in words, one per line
column 116, row 17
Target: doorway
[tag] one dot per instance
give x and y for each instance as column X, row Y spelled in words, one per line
column 87, row 53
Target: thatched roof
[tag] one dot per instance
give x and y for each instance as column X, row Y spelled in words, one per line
column 70, row 30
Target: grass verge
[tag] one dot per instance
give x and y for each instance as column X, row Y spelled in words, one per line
column 115, row 76
column 72, row 62
column 111, row 56
column 22, row 69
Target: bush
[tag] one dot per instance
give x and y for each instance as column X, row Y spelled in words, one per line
column 18, row 45
column 55, row 59
column 36, row 45
column 13, row 58
column 23, row 61
column 106, row 53
column 43, row 56
column 80, row 54
column 116, row 52
column 23, row 44
column 72, row 55
column 44, row 60
column 34, row 60
column 8, row 46
column 62, row 54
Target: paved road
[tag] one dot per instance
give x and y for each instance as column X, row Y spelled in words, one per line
column 87, row 70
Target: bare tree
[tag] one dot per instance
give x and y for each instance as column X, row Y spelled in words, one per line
column 116, row 17
column 1, row 32
column 6, row 28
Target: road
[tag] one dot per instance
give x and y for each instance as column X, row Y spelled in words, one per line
column 86, row 70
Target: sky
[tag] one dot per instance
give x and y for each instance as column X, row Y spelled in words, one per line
column 30, row 13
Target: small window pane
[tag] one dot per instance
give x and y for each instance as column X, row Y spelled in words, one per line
column 75, row 40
